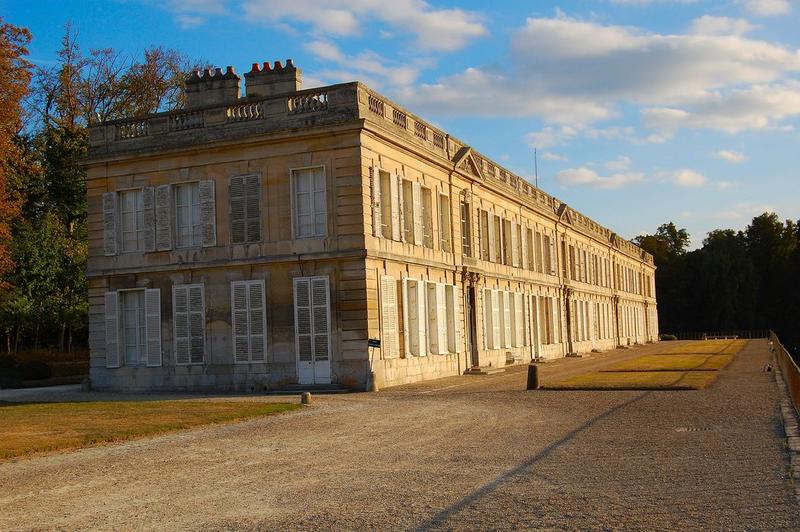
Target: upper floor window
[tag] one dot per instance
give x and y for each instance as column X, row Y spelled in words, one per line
column 245, row 196
column 444, row 223
column 131, row 206
column 310, row 204
column 466, row 234
column 427, row 218
column 188, row 226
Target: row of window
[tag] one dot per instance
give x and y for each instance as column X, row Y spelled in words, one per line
column 510, row 319
column 133, row 323
column 592, row 320
column 432, row 317
column 183, row 215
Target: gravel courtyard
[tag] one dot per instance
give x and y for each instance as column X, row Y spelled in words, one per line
column 459, row 453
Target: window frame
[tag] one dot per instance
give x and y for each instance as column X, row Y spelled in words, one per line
column 140, row 244
column 293, row 193
column 174, row 221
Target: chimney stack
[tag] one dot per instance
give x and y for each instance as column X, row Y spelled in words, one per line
column 212, row 87
column 264, row 81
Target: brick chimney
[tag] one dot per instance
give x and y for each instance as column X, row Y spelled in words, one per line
column 264, row 81
column 212, row 87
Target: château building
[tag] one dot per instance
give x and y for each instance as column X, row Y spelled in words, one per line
column 248, row 242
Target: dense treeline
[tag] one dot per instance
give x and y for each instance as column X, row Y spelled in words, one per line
column 43, row 138
column 736, row 280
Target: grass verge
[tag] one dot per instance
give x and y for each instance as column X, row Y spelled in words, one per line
column 29, row 428
column 673, row 363
column 637, row 380
column 707, row 347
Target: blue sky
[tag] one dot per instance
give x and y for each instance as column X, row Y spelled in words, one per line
column 642, row 111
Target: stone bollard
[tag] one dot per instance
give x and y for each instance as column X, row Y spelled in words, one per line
column 305, row 398
column 533, row 377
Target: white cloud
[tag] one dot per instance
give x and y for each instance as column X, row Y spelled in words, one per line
column 731, row 156
column 767, row 8
column 588, row 177
column 572, row 72
column 711, row 25
column 620, row 163
column 685, row 178
column 550, row 156
column 366, row 66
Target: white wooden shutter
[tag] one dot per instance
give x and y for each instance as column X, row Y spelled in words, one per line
column 508, row 318
column 377, row 221
column 401, row 207
column 553, row 257
column 152, row 319
column 496, row 321
column 180, row 324
column 555, row 308
column 458, row 320
column 417, row 298
column 239, row 321
column 519, row 320
column 163, row 218
column 439, row 332
column 113, row 357
column 149, row 214
column 514, row 243
column 208, row 212
column 487, row 319
column 252, row 188
column 416, row 194
column 493, row 244
column 389, row 344
column 302, row 320
column 396, row 211
column 238, row 206
column 110, row 223
column 257, row 314
column 407, row 333
column 525, row 247
column 321, row 317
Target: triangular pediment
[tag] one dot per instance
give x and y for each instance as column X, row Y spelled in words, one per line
column 563, row 214
column 464, row 160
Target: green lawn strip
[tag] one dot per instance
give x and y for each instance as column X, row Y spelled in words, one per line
column 636, row 380
column 672, row 363
column 28, row 428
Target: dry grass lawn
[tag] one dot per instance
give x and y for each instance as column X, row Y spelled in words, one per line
column 673, row 363
column 707, row 347
column 28, row 428
column 637, row 380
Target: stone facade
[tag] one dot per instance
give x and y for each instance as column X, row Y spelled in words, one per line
column 250, row 242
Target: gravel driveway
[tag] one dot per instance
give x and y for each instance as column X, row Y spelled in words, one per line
column 460, row 453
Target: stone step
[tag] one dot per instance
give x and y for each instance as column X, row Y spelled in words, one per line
column 319, row 389
column 483, row 370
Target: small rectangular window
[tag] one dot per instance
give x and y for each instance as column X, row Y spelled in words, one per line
column 310, row 207
column 386, row 204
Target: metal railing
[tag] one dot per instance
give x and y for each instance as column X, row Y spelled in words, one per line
column 789, row 370
column 748, row 334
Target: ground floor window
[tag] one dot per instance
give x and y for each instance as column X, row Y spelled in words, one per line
column 188, row 319
column 248, row 317
column 133, row 328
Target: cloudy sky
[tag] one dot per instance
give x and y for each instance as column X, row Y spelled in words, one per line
column 642, row 111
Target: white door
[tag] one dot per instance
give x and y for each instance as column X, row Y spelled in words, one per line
column 312, row 330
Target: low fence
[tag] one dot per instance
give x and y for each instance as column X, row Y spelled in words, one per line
column 789, row 369
column 750, row 334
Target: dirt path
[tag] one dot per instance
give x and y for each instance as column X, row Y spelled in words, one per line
column 459, row 453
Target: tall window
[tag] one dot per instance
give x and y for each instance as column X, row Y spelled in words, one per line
column 508, row 250
column 485, row 237
column 408, row 211
column 539, row 259
column 498, row 239
column 188, row 318
column 133, row 327
column 310, row 207
column 444, row 223
column 427, row 218
column 386, row 204
column 531, row 253
column 548, row 255
column 132, row 214
column 187, row 215
column 248, row 316
column 466, row 233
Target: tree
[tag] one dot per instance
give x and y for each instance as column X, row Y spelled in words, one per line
column 13, row 88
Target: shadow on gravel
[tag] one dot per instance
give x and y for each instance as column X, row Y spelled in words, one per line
column 440, row 518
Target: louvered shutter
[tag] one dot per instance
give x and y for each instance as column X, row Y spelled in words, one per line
column 508, row 318
column 479, row 235
column 377, row 221
column 401, row 208
column 208, row 212
column 110, row 223
column 519, row 320
column 396, row 211
column 408, row 348
column 553, row 264
column 496, row 321
column 149, row 215
column 493, row 244
column 180, row 324
column 321, row 317
column 152, row 312
column 514, row 243
column 257, row 315
column 416, row 194
column 239, row 319
column 526, row 248
column 302, row 320
column 458, row 320
column 163, row 218
column 113, row 357
column 252, row 188
column 238, row 199
column 488, row 336
column 437, row 318
column 389, row 345
column 555, row 308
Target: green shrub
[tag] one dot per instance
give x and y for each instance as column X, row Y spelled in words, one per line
column 10, row 378
column 34, row 370
column 667, row 337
